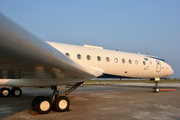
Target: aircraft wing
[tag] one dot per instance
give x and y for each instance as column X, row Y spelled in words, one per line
column 23, row 55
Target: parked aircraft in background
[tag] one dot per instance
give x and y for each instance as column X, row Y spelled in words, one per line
column 26, row 60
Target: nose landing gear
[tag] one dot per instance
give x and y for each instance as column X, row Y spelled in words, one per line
column 156, row 89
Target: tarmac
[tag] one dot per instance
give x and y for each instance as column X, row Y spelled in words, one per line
column 125, row 101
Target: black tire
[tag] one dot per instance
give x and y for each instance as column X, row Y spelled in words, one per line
column 34, row 101
column 16, row 92
column 4, row 92
column 61, row 104
column 43, row 105
column 156, row 90
column 1, row 92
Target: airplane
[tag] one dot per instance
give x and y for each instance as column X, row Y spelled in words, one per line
column 28, row 61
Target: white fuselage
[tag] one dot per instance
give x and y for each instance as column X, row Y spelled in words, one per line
column 116, row 63
column 100, row 63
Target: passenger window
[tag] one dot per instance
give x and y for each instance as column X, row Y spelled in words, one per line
column 144, row 62
column 67, row 54
column 130, row 61
column 115, row 60
column 79, row 56
column 88, row 57
column 123, row 61
column 99, row 58
column 107, row 59
column 136, row 62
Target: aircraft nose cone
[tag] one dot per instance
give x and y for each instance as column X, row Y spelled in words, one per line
column 171, row 71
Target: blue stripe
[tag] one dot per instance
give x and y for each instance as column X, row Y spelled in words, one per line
column 112, row 76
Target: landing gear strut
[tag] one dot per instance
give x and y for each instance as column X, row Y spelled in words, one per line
column 59, row 103
column 155, row 89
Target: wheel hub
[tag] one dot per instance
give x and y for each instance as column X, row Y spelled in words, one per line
column 44, row 106
column 16, row 92
column 5, row 92
column 63, row 104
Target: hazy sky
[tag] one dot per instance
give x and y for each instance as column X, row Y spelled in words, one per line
column 151, row 26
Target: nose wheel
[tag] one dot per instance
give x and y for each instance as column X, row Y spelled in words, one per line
column 156, row 89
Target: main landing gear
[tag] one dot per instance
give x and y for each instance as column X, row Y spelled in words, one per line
column 59, row 103
column 6, row 92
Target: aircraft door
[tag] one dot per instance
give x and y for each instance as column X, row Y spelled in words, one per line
column 158, row 66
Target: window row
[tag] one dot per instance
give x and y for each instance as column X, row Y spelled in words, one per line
column 108, row 59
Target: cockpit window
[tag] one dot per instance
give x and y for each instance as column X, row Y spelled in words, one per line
column 158, row 58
